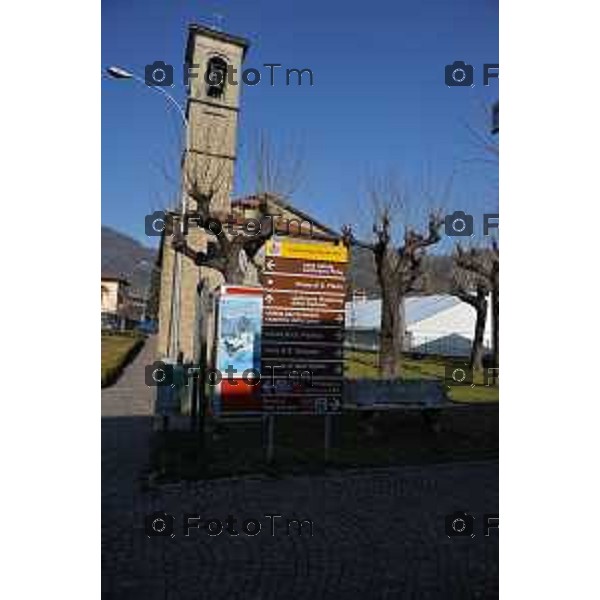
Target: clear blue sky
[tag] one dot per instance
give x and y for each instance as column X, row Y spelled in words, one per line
column 378, row 102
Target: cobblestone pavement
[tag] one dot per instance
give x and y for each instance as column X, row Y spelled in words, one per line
column 376, row 534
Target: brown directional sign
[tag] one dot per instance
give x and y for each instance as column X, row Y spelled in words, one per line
column 302, row 351
column 317, row 368
column 302, row 404
column 310, row 335
column 307, row 385
column 306, row 285
column 279, row 386
column 301, row 300
column 294, row 316
column 304, row 290
column 330, row 387
column 303, row 268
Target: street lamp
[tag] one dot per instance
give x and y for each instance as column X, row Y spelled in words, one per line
column 119, row 73
column 496, row 118
column 116, row 72
column 139, row 265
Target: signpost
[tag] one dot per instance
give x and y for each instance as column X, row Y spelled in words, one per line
column 304, row 286
column 301, row 307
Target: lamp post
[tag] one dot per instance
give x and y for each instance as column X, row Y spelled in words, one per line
column 139, row 265
column 496, row 118
column 119, row 73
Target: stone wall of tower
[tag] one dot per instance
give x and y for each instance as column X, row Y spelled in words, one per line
column 213, row 121
column 210, row 162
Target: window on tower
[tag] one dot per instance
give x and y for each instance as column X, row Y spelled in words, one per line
column 216, row 76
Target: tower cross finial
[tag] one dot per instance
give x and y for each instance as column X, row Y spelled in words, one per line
column 218, row 21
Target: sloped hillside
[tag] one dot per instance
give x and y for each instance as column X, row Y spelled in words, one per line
column 124, row 256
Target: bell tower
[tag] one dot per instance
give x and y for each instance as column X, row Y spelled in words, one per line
column 212, row 108
column 210, row 151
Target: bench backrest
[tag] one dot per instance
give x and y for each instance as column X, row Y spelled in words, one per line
column 401, row 392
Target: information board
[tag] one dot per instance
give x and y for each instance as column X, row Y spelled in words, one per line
column 238, row 341
column 304, row 294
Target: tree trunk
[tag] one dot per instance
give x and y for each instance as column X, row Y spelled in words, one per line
column 495, row 280
column 235, row 271
column 496, row 326
column 476, row 360
column 392, row 334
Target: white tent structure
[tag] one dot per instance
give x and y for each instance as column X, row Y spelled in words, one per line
column 439, row 324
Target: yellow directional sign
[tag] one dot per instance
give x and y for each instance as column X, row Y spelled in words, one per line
column 307, row 250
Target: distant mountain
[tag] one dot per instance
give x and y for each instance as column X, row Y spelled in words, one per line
column 123, row 256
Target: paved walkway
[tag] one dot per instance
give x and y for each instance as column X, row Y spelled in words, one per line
column 377, row 534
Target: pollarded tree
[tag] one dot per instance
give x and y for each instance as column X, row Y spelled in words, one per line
column 277, row 171
column 484, row 265
column 398, row 270
column 232, row 249
column 474, row 290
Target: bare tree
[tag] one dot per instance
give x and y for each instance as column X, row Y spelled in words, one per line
column 278, row 172
column 483, row 263
column 484, row 141
column 277, row 169
column 232, row 249
column 474, row 290
column 476, row 269
column 398, row 269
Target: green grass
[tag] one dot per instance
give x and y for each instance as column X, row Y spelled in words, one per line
column 468, row 432
column 364, row 365
column 399, row 438
column 118, row 349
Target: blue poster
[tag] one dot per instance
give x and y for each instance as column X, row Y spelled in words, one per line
column 239, row 331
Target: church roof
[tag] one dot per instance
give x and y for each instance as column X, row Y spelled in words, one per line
column 254, row 200
column 113, row 276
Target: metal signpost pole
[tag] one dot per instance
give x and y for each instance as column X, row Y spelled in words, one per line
column 327, row 435
column 270, row 426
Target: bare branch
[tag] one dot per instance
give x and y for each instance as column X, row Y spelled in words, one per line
column 349, row 239
column 278, row 170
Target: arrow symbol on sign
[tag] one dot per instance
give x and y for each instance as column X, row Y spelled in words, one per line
column 270, row 265
column 269, row 298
